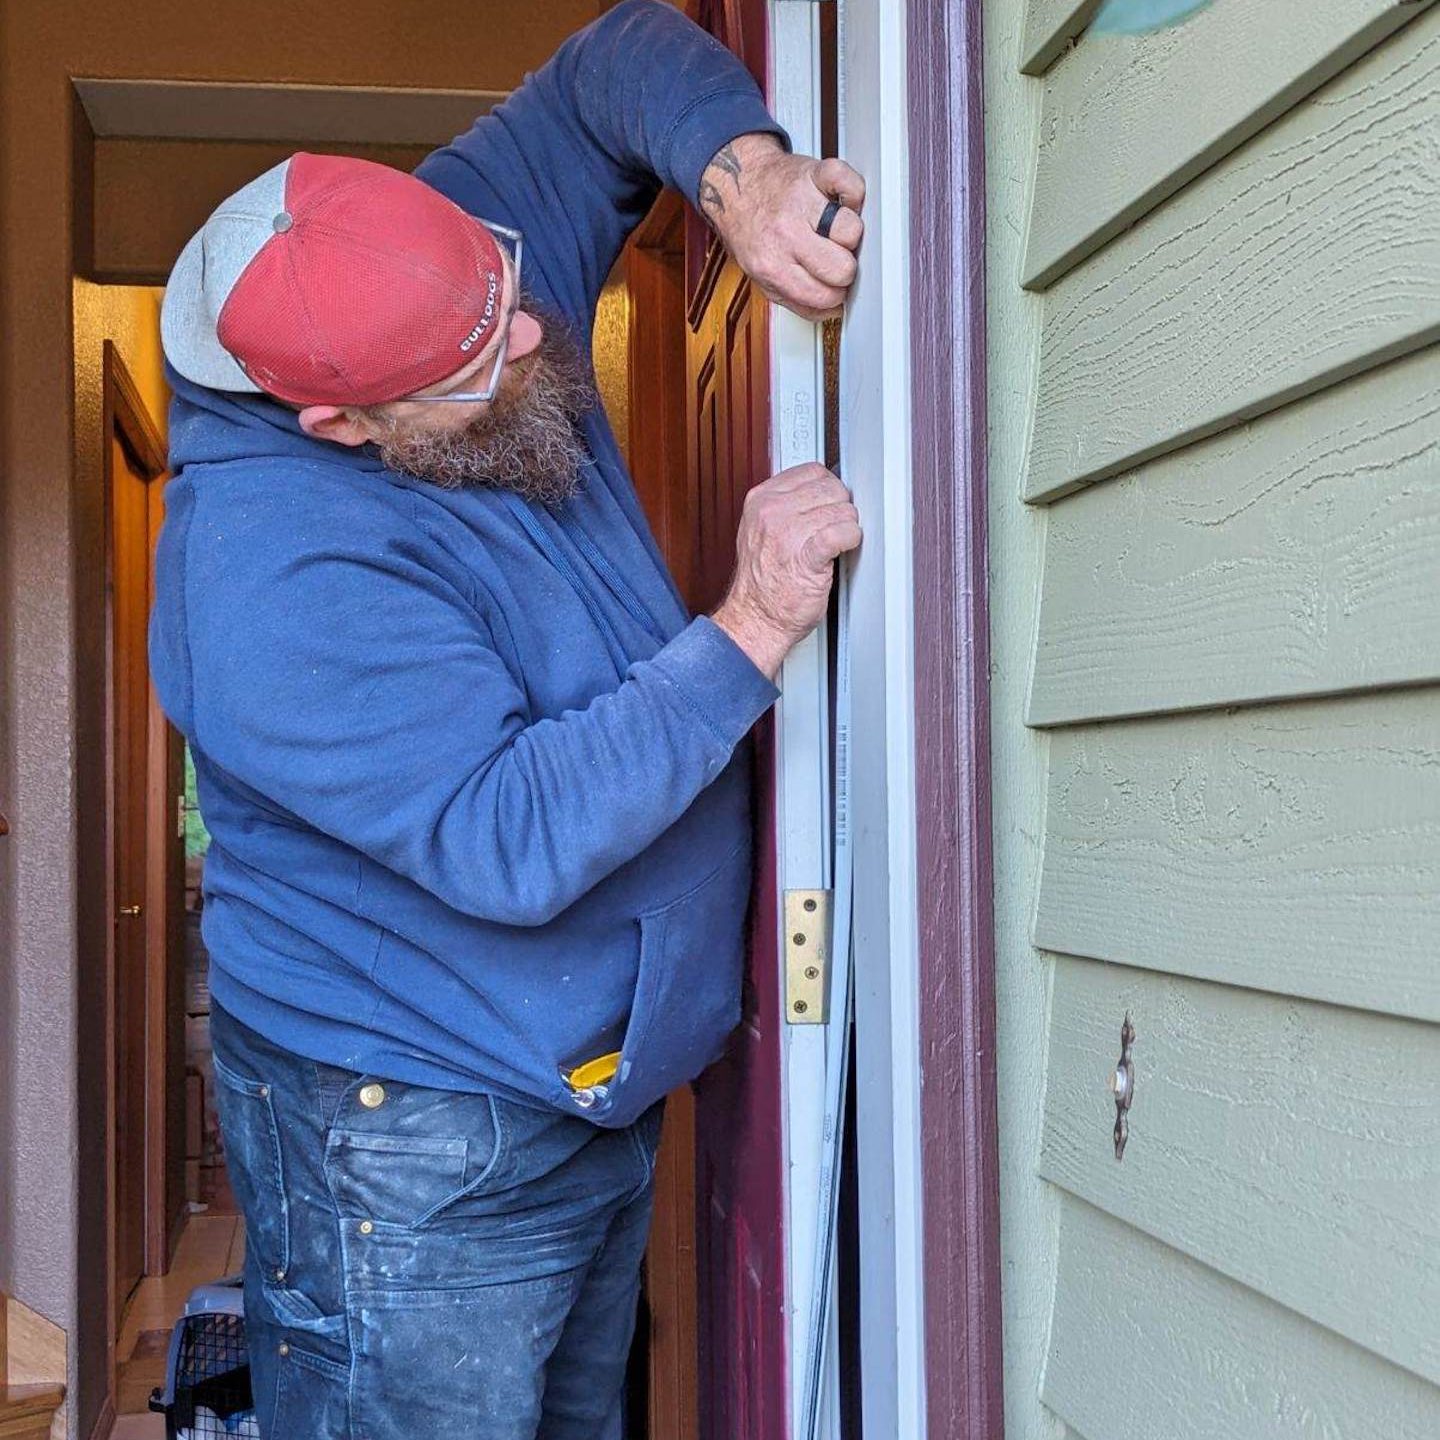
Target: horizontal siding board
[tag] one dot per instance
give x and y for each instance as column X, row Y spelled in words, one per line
column 1292, row 1146
column 1291, row 848
column 1309, row 255
column 1145, row 1342
column 1293, row 556
column 1050, row 25
column 1126, row 123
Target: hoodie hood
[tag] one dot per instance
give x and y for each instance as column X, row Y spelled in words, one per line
column 210, row 427
column 262, row 440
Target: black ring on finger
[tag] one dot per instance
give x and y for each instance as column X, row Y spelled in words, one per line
column 827, row 219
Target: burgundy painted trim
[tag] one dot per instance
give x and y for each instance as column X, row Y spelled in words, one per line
column 964, row 1371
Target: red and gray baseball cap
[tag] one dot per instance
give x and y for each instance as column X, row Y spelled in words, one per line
column 332, row 281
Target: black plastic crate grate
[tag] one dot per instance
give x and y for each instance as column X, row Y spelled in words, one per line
column 211, row 1395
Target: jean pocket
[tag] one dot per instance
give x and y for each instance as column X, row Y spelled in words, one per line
column 402, row 1180
column 312, row 1399
column 255, row 1166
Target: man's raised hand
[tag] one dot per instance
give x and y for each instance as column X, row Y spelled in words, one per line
column 765, row 205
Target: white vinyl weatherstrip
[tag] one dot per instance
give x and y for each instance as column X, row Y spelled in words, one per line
column 876, row 424
column 802, row 716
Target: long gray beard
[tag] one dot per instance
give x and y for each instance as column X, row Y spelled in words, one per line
column 526, row 440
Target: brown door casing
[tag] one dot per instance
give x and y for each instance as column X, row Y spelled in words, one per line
column 959, row 1139
column 129, row 601
column 146, row 1020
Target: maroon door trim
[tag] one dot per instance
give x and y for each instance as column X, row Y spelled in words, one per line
column 957, row 953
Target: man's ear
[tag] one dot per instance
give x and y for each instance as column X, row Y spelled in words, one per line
column 331, row 422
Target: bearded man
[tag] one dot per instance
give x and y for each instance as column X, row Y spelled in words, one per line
column 474, row 777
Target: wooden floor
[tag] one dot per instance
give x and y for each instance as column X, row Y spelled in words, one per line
column 211, row 1247
column 138, row 1427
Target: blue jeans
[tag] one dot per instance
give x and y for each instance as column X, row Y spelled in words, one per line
column 425, row 1263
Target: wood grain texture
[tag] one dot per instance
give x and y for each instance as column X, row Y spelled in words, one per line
column 1293, row 848
column 1295, row 555
column 1312, row 254
column 964, row 1341
column 1127, row 122
column 35, row 1347
column 1050, row 25
column 1292, row 1146
column 27, row 1412
column 1146, row 1343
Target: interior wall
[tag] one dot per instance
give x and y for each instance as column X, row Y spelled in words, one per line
column 51, row 563
column 151, row 196
column 1029, row 1211
column 611, row 353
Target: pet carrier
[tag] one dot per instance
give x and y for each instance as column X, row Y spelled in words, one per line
column 207, row 1377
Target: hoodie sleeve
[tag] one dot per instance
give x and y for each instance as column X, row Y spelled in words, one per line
column 337, row 675
column 640, row 98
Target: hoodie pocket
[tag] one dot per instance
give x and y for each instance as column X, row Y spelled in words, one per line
column 687, row 992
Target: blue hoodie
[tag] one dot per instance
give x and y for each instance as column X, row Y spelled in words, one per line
column 474, row 778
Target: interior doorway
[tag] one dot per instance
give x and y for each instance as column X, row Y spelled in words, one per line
column 171, row 1222
column 713, row 1318
column 143, row 847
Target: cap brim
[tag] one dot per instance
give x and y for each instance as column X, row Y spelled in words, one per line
column 187, row 328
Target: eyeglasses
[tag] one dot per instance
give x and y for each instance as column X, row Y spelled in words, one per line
column 515, row 241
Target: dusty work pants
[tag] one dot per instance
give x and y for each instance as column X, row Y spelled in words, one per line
column 428, row 1265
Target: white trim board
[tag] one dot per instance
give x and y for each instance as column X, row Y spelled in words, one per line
column 803, row 809
column 876, row 424
column 876, row 430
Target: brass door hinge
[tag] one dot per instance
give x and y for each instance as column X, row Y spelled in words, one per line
column 807, row 956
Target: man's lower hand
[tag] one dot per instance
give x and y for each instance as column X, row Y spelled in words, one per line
column 765, row 205
column 793, row 528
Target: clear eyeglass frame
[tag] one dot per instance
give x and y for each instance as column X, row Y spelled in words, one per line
column 515, row 239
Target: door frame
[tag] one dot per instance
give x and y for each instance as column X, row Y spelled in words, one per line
column 959, row 1139
column 913, row 407
column 125, row 416
column 802, row 729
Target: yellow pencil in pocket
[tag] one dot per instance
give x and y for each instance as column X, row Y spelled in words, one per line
column 599, row 1071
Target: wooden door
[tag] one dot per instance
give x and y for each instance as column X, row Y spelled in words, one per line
column 738, row 1136
column 658, row 457
column 129, row 495
column 715, row 1267
column 714, row 1270
column 738, row 1140
column 146, row 858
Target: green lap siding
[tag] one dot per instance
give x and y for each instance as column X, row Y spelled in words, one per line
column 1213, row 280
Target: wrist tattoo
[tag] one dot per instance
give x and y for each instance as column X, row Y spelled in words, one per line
column 729, row 162
column 725, row 162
